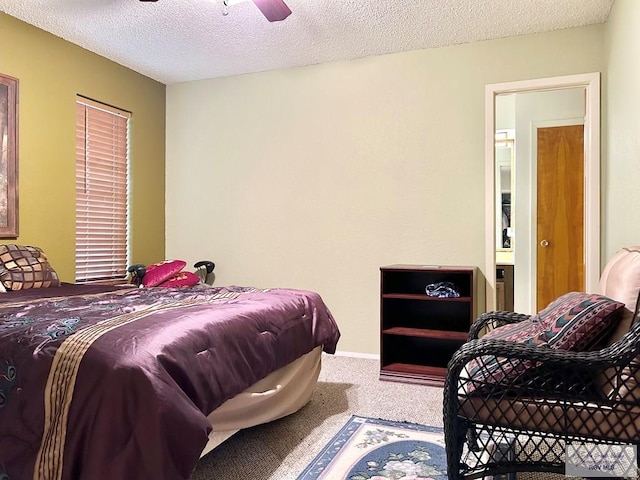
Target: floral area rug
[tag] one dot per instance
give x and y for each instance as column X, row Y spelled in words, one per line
column 375, row 449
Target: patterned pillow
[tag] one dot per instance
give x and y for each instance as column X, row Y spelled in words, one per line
column 161, row 272
column 182, row 279
column 23, row 267
column 575, row 321
column 578, row 321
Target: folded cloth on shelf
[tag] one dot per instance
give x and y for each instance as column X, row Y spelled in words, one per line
column 442, row 289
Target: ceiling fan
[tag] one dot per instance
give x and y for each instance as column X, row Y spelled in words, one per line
column 273, row 10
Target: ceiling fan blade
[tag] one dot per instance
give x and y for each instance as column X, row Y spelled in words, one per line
column 274, row 10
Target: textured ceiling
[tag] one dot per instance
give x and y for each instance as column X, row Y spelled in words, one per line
column 181, row 40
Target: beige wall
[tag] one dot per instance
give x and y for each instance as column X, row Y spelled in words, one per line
column 621, row 136
column 51, row 72
column 315, row 177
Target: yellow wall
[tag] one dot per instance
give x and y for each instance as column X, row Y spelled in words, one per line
column 314, row 177
column 51, row 72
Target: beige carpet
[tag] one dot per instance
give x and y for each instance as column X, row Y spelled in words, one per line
column 347, row 386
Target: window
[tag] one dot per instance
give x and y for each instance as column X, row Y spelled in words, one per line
column 102, row 158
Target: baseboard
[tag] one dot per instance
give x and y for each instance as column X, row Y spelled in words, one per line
column 370, row 356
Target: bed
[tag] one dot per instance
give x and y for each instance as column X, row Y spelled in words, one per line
column 137, row 383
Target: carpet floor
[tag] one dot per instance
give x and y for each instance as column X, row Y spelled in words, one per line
column 347, row 386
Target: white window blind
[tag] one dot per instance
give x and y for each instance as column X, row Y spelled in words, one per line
column 102, row 151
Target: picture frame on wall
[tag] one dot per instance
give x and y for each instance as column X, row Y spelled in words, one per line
column 8, row 156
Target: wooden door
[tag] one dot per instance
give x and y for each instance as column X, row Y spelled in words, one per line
column 560, row 212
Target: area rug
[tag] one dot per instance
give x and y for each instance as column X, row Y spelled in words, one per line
column 376, row 449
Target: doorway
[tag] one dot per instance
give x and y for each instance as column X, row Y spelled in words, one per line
column 526, row 300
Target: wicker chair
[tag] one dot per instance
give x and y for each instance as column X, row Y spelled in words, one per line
column 523, row 423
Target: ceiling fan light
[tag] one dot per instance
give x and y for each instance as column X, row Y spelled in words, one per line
column 274, row 10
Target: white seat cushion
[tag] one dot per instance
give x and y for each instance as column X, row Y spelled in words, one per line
column 620, row 280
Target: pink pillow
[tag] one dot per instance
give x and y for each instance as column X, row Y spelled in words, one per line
column 182, row 279
column 160, row 272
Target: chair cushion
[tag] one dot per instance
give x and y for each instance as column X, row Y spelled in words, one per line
column 552, row 415
column 575, row 321
column 620, row 280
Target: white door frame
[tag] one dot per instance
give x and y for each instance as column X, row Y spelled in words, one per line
column 591, row 82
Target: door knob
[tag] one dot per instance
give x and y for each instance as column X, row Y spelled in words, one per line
column 544, row 243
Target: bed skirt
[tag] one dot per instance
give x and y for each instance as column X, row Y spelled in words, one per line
column 279, row 394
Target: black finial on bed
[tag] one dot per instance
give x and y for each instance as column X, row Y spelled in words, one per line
column 137, row 271
column 205, row 263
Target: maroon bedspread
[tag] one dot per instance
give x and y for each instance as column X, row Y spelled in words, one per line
column 118, row 385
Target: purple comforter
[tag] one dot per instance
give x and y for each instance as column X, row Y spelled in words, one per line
column 118, row 385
